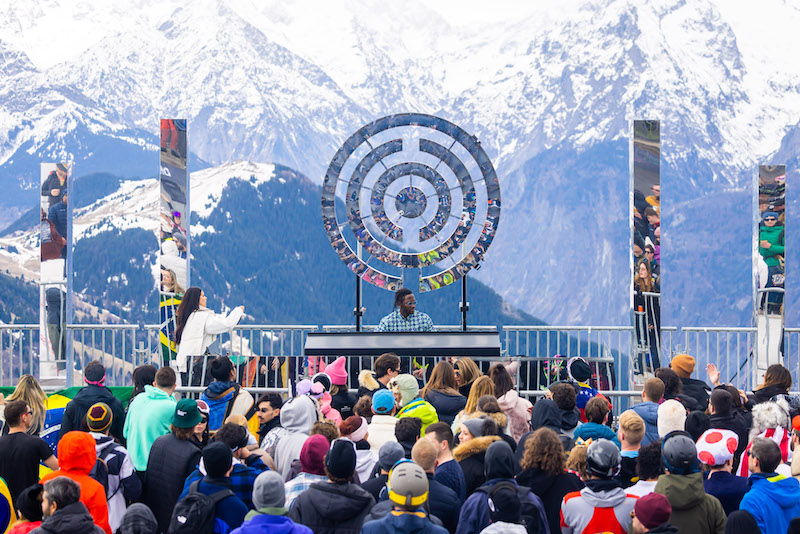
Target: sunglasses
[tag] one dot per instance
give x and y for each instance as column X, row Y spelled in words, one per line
column 768, row 219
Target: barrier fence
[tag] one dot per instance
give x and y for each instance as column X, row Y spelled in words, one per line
column 271, row 357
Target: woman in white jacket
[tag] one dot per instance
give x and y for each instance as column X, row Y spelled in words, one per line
column 196, row 327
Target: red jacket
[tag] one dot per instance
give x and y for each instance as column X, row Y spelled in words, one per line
column 76, row 457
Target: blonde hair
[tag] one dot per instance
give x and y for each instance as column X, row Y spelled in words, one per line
column 237, row 419
column 29, row 391
column 482, row 385
column 576, row 461
column 632, row 427
column 469, row 370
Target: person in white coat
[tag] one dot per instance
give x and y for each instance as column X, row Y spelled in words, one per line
column 196, row 328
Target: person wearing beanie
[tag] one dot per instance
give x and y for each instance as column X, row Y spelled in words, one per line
column 138, row 519
column 29, row 510
column 715, row 450
column 724, row 416
column 504, row 513
column 76, row 458
column 172, row 458
column 94, row 375
column 391, row 453
column 409, row 499
column 671, row 417
column 336, row 506
column 499, row 470
column 341, row 399
column 602, row 505
column 773, row 499
column 406, row 394
column 271, row 510
column 651, row 515
column 218, row 463
column 298, row 415
column 580, row 374
column 312, row 465
column 683, row 365
column 693, row 510
column 149, row 416
column 381, row 427
column 356, row 429
column 475, row 436
column 124, row 485
column 247, row 464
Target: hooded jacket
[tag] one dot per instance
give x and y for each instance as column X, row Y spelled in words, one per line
column 149, row 417
column 381, row 431
column 171, row 461
column 272, row 520
column 403, row 523
column 733, row 421
column 422, row 409
column 446, row 405
column 648, row 411
column 72, row 519
column 588, row 510
column 551, row 489
column 225, row 399
column 368, row 384
column 297, row 417
column 123, row 483
column 470, row 456
column 75, row 412
column 698, row 390
column 328, row 508
column 138, row 519
column 516, row 409
column 773, row 500
column 499, row 468
column 595, row 431
column 693, row 510
column 76, row 457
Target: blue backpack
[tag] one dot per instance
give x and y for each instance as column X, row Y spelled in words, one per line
column 220, row 408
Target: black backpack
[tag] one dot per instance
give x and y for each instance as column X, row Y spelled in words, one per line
column 99, row 471
column 196, row 513
column 529, row 513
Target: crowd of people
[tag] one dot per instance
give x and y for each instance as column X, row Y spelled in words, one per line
column 460, row 453
column 647, row 274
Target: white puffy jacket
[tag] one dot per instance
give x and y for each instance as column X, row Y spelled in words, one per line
column 199, row 331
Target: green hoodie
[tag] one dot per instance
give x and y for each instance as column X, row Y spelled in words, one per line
column 149, row 417
column 775, row 237
column 693, row 510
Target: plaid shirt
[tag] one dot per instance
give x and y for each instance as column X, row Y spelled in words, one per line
column 299, row 484
column 416, row 322
column 242, row 479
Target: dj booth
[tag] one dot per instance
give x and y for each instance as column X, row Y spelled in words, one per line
column 413, row 344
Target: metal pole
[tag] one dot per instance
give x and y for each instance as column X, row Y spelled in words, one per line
column 463, row 306
column 358, row 311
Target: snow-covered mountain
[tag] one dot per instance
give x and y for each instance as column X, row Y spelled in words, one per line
column 547, row 87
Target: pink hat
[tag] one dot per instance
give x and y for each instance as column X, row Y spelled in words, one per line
column 716, row 446
column 337, row 372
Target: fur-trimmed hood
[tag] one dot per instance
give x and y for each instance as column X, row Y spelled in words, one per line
column 770, row 414
column 473, row 447
column 500, row 418
column 367, row 380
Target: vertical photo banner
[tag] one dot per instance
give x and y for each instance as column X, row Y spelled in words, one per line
column 173, row 273
column 56, row 263
column 769, row 267
column 646, row 244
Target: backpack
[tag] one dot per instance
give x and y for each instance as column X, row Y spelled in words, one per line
column 220, row 408
column 196, row 513
column 530, row 517
column 99, row 471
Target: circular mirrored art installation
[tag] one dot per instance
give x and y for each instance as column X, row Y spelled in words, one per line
column 411, row 191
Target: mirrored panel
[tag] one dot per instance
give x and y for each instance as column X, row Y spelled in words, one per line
column 769, row 267
column 56, row 262
column 419, row 198
column 646, row 244
column 173, row 274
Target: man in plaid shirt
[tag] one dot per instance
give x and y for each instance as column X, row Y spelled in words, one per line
column 244, row 475
column 405, row 318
